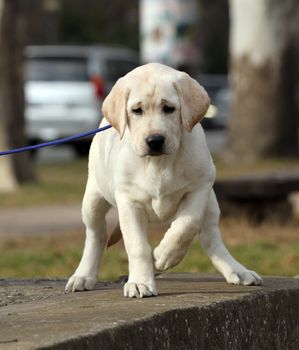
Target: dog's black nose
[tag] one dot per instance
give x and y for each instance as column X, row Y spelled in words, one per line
column 155, row 142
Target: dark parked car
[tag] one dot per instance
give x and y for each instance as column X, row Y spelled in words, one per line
column 218, row 89
column 219, row 110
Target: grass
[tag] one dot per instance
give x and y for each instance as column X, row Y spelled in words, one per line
column 57, row 183
column 269, row 249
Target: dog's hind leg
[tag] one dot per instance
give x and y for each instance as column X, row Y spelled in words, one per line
column 211, row 241
column 94, row 209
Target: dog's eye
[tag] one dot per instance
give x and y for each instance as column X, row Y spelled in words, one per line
column 137, row 111
column 168, row 109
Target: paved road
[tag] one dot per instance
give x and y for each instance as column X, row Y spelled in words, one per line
column 42, row 220
column 216, row 140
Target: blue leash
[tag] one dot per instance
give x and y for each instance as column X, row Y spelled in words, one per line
column 55, row 142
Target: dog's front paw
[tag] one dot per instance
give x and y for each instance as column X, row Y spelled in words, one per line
column 139, row 290
column 244, row 277
column 80, row 283
column 164, row 260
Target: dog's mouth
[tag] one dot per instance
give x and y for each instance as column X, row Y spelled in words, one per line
column 155, row 153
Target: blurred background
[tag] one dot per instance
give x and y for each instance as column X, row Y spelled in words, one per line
column 60, row 58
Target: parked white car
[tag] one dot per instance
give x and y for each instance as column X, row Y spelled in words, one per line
column 65, row 87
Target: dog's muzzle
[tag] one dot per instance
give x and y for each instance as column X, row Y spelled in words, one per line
column 155, row 144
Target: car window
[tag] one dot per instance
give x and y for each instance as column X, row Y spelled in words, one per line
column 56, row 69
column 117, row 68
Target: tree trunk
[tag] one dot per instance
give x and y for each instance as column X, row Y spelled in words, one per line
column 264, row 120
column 11, row 86
column 8, row 181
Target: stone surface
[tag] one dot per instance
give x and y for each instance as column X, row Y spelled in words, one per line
column 191, row 312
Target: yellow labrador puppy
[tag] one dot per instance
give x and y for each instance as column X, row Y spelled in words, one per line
column 154, row 167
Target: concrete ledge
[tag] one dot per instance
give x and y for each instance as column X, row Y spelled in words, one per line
column 260, row 197
column 191, row 312
column 266, row 186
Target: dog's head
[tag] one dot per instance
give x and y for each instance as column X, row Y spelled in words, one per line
column 155, row 103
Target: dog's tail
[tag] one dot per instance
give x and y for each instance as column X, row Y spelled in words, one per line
column 115, row 236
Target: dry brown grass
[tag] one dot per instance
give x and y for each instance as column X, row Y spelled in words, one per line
column 236, row 231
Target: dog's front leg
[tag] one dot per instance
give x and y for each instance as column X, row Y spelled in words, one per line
column 182, row 230
column 134, row 224
column 94, row 209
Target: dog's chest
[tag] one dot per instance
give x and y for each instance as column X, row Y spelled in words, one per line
column 163, row 208
column 164, row 194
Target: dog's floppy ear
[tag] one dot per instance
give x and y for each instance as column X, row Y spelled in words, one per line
column 115, row 106
column 194, row 100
